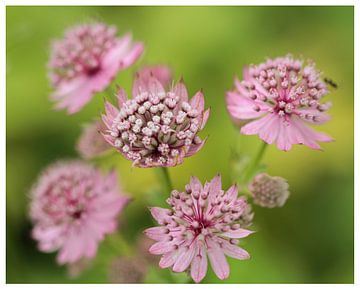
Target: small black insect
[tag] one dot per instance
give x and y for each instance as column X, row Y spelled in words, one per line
column 330, row 82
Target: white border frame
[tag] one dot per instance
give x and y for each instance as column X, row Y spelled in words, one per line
column 175, row 3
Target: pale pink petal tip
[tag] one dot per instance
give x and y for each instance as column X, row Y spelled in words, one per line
column 277, row 99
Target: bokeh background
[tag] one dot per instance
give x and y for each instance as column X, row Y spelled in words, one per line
column 310, row 240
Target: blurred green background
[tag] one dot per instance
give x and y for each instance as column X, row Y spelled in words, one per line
column 310, row 240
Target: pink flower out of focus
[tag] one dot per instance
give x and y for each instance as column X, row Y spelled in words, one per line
column 91, row 143
column 73, row 207
column 203, row 223
column 278, row 99
column 85, row 62
column 157, row 127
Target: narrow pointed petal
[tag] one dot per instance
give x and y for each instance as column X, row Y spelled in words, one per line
column 184, row 259
column 199, row 264
column 234, row 251
column 198, row 101
column 218, row 260
column 181, row 91
column 239, row 233
column 160, row 214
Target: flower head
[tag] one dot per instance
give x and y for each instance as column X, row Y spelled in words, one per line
column 268, row 191
column 157, row 127
column 86, row 60
column 91, row 143
column 73, row 207
column 277, row 98
column 203, row 222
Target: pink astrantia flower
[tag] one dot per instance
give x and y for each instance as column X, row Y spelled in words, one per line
column 86, row 60
column 157, row 127
column 91, row 143
column 277, row 99
column 202, row 223
column 73, row 207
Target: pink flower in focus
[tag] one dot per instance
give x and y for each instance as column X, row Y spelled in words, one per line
column 91, row 143
column 157, row 127
column 86, row 60
column 203, row 223
column 277, row 99
column 73, row 207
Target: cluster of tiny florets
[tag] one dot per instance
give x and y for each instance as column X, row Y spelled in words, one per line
column 81, row 51
column 156, row 130
column 269, row 191
column 288, row 85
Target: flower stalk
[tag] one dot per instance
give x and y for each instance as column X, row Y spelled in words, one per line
column 165, row 180
column 255, row 163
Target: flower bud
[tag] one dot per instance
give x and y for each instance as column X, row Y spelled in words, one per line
column 268, row 191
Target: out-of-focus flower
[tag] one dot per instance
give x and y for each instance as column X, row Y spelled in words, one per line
column 156, row 127
column 73, row 207
column 86, row 60
column 91, row 143
column 278, row 98
column 161, row 72
column 202, row 223
column 127, row 270
column 268, row 191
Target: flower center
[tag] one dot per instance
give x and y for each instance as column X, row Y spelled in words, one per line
column 155, row 129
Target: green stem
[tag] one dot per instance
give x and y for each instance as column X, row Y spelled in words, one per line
column 252, row 166
column 165, row 180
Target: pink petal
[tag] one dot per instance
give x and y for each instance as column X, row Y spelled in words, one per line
column 124, row 54
column 184, row 259
column 74, row 98
column 194, row 148
column 72, row 250
column 198, row 101
column 217, row 260
column 232, row 193
column 234, row 251
column 132, row 55
column 205, row 118
column 239, row 233
column 181, row 91
column 110, row 110
column 121, row 96
column 283, row 142
column 215, row 185
column 255, row 126
column 156, row 233
column 199, row 264
column 242, row 107
column 169, row 258
column 195, row 184
column 160, row 248
column 320, row 117
column 154, row 86
column 160, row 214
column 270, row 131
